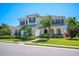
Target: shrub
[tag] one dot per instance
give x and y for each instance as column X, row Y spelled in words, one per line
column 7, row 37
column 33, row 37
column 18, row 37
column 29, row 38
column 46, row 35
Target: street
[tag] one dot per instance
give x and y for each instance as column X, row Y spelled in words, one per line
column 29, row 50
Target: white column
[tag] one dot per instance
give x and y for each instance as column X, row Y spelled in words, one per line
column 55, row 31
column 25, row 22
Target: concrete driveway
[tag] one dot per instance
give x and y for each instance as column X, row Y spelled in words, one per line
column 29, row 50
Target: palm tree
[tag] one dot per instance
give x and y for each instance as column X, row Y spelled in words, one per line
column 46, row 23
column 72, row 23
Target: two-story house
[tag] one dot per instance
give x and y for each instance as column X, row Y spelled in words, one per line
column 33, row 20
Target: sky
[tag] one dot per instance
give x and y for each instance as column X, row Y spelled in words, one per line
column 10, row 12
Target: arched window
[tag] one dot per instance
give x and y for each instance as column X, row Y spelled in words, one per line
column 58, row 31
column 51, row 31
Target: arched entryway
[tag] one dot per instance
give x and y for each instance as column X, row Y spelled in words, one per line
column 58, row 31
column 45, row 31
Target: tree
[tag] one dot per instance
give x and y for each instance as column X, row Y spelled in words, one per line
column 4, row 29
column 73, row 33
column 76, row 30
column 29, row 30
column 78, row 23
column 23, row 27
column 71, row 23
column 46, row 23
column 26, row 29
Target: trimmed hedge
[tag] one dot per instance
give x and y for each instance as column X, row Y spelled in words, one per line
column 24, row 38
column 18, row 37
column 10, row 37
column 27, row 38
column 7, row 37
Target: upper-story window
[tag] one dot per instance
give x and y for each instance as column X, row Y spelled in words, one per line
column 62, row 21
column 22, row 22
column 32, row 20
column 54, row 21
column 26, row 22
column 57, row 21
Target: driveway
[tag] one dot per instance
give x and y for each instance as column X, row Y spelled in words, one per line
column 29, row 50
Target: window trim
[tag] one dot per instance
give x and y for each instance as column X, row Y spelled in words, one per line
column 32, row 20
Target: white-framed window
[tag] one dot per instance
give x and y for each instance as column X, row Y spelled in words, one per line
column 32, row 20
column 22, row 22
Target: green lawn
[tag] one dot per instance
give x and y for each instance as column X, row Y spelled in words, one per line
column 9, row 41
column 56, row 42
column 53, row 42
column 63, row 41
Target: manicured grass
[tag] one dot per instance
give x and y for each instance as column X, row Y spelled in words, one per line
column 53, row 42
column 56, row 42
column 63, row 41
column 51, row 45
column 15, row 41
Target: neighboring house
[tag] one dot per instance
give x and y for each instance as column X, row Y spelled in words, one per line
column 57, row 28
